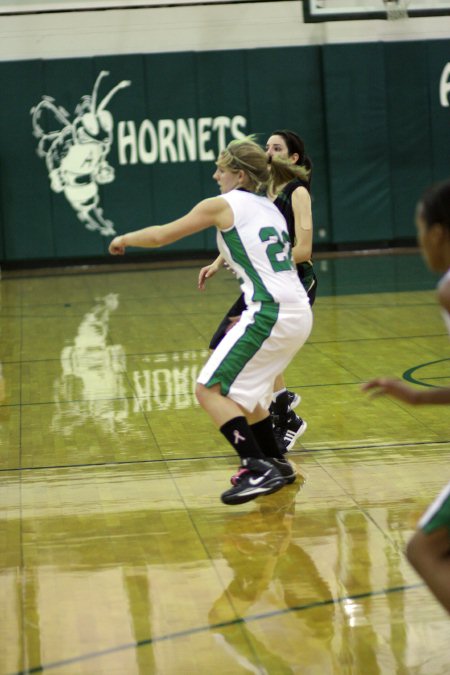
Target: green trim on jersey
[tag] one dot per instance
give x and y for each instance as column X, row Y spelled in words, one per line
column 440, row 517
column 245, row 348
column 239, row 254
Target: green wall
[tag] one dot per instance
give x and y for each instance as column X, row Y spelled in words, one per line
column 370, row 115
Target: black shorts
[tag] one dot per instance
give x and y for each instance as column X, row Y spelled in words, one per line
column 236, row 309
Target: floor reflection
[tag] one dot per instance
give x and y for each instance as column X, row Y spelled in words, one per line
column 272, row 574
column 92, row 383
column 117, row 556
column 94, row 378
column 166, row 381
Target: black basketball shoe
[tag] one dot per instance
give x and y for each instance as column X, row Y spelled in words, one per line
column 260, row 477
column 284, row 467
column 287, row 430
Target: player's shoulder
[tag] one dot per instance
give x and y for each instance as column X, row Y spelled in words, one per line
column 296, row 184
column 210, row 204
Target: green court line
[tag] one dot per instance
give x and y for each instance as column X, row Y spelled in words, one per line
column 408, row 374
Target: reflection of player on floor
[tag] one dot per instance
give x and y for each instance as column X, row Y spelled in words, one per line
column 235, row 386
column 429, row 549
column 271, row 575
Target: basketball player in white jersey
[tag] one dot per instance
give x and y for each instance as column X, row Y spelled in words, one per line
column 429, row 548
column 235, row 385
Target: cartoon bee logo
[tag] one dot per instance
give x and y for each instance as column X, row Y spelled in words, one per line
column 75, row 152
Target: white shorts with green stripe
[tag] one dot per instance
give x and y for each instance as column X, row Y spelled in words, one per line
column 438, row 514
column 257, row 349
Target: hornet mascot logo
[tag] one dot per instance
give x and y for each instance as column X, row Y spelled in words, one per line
column 75, row 152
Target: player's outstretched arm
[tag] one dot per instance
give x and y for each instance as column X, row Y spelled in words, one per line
column 206, row 213
column 386, row 386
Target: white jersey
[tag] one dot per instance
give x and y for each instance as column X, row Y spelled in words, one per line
column 446, row 316
column 258, row 250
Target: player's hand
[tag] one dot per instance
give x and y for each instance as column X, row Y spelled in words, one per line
column 117, row 247
column 386, row 386
column 204, row 274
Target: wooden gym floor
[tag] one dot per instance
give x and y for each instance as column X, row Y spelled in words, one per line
column 117, row 556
